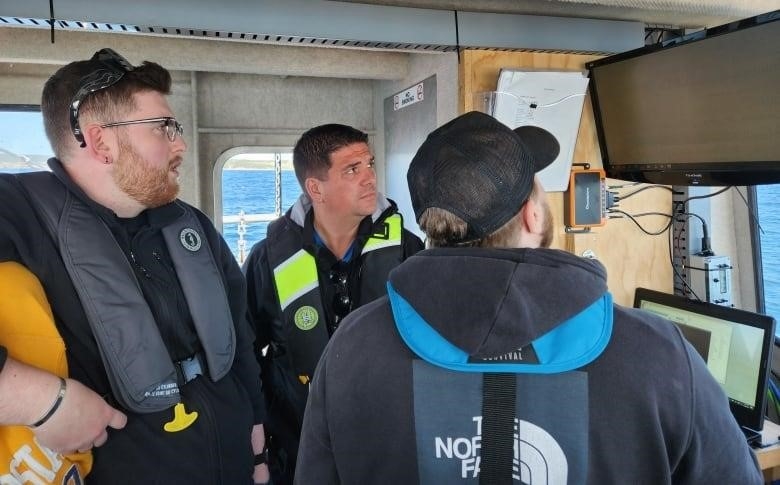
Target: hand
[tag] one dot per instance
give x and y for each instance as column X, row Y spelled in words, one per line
column 80, row 422
column 261, row 473
column 27, row 393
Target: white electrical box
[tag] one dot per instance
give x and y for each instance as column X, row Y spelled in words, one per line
column 710, row 278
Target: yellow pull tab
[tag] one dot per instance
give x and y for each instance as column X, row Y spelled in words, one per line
column 181, row 419
column 304, row 379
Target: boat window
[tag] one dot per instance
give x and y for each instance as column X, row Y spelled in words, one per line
column 257, row 186
column 769, row 222
column 23, row 143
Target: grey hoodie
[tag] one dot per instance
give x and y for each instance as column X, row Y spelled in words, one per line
column 605, row 394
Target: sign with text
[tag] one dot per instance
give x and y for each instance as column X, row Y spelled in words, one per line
column 408, row 97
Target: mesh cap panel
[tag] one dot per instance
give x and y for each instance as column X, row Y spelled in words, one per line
column 478, row 169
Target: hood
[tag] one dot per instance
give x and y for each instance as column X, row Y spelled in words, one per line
column 489, row 302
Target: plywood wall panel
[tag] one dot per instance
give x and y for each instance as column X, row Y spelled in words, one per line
column 632, row 258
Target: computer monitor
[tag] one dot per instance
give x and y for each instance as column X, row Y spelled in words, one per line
column 701, row 109
column 735, row 344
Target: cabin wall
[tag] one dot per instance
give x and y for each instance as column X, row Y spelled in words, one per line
column 392, row 175
column 632, row 258
column 244, row 110
column 22, row 83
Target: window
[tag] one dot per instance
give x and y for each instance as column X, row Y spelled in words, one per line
column 769, row 220
column 258, row 185
column 23, row 143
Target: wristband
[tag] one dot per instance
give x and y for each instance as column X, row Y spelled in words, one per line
column 54, row 407
column 262, row 457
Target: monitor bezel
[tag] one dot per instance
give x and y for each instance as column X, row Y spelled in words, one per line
column 746, row 417
column 703, row 172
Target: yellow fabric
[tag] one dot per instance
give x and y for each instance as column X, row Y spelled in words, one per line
column 28, row 331
column 395, row 228
column 295, row 277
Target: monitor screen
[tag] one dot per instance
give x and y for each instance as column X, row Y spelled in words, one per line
column 735, row 344
column 703, row 109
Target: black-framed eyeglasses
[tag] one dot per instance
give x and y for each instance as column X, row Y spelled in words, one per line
column 112, row 68
column 342, row 302
column 168, row 123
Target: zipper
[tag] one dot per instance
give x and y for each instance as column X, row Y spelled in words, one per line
column 145, row 272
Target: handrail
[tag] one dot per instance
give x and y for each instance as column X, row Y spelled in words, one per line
column 249, row 218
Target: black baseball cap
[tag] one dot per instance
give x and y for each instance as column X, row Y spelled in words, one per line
column 479, row 169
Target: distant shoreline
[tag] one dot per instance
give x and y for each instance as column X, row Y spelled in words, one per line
column 244, row 164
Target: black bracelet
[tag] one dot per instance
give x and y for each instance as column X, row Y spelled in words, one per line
column 262, row 457
column 54, row 407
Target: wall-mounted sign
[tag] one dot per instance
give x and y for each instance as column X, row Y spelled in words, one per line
column 408, row 97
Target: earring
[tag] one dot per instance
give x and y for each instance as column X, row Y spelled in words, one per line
column 107, row 162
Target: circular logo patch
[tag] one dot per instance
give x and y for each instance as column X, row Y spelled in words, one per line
column 306, row 317
column 190, row 239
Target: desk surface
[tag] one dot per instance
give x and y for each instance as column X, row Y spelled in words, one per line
column 769, row 457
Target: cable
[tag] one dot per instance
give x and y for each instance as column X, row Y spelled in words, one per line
column 724, row 189
column 706, row 250
column 534, row 105
column 677, row 273
column 673, row 238
column 611, row 199
column 692, row 214
column 646, row 187
column 633, row 219
column 632, row 184
column 705, row 245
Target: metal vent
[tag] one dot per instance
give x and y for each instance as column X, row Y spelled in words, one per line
column 543, row 51
column 220, row 35
column 75, row 25
column 67, row 24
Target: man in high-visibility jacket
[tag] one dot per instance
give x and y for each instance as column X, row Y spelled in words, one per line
column 329, row 254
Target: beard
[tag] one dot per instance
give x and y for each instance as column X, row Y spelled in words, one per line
column 547, row 229
column 150, row 186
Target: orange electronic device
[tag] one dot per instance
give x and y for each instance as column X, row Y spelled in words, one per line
column 585, row 199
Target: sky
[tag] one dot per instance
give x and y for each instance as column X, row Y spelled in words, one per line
column 22, row 133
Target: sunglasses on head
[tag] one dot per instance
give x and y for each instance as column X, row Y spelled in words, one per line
column 112, row 68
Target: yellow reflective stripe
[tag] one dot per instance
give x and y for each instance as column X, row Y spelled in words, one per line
column 295, row 277
column 395, row 227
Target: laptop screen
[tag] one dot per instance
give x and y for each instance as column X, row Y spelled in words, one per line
column 735, row 344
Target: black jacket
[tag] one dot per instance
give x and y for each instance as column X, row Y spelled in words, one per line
column 285, row 394
column 216, row 448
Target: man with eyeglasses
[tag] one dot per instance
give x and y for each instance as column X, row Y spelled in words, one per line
column 497, row 360
column 329, row 254
column 163, row 383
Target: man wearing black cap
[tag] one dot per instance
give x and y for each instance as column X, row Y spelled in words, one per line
column 496, row 360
